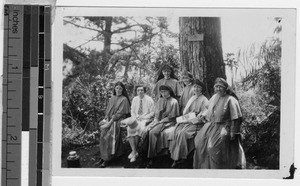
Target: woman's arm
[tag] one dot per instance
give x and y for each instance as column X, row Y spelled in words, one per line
column 235, row 128
column 236, row 115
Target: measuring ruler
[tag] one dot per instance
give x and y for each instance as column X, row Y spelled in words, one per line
column 12, row 96
column 26, row 92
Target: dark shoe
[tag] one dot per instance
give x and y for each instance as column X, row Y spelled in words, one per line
column 174, row 164
column 104, row 164
column 181, row 161
column 98, row 163
column 150, row 164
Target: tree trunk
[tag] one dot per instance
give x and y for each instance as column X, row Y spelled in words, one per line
column 203, row 58
column 107, row 34
column 106, row 54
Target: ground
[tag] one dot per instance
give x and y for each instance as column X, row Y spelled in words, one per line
column 89, row 156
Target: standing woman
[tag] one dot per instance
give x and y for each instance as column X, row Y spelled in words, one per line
column 167, row 77
column 182, row 140
column 217, row 144
column 110, row 138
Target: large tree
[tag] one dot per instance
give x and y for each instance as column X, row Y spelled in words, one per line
column 201, row 48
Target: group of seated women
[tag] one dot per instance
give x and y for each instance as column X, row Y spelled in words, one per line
column 177, row 122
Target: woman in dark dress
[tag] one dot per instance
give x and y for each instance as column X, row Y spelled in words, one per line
column 110, row 138
column 167, row 77
column 182, row 139
column 217, row 144
column 165, row 113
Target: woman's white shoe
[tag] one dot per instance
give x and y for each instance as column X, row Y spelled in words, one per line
column 130, row 155
column 133, row 159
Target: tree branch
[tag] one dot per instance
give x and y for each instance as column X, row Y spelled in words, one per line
column 73, row 54
column 135, row 42
column 88, row 41
column 79, row 26
column 121, row 30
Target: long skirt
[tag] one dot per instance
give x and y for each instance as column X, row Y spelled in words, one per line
column 159, row 139
column 111, row 142
column 182, row 140
column 215, row 150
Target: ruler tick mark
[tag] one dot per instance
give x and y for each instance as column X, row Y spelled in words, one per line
column 14, row 38
column 14, row 72
column 13, row 143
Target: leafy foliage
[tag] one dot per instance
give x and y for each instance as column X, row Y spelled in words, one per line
column 260, row 94
column 260, row 129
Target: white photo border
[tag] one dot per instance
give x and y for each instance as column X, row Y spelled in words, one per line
column 287, row 94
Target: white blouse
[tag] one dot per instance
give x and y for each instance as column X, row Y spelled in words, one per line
column 148, row 107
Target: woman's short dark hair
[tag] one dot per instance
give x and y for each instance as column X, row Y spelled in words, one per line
column 140, row 85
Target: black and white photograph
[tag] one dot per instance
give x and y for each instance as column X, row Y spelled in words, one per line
column 172, row 90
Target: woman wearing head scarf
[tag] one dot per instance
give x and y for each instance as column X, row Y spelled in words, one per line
column 188, row 90
column 167, row 77
column 110, row 139
column 166, row 110
column 182, row 139
column 217, row 144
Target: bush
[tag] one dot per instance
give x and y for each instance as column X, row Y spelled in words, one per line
column 84, row 104
column 260, row 129
column 76, row 137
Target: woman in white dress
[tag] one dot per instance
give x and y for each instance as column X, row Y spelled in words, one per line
column 142, row 112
